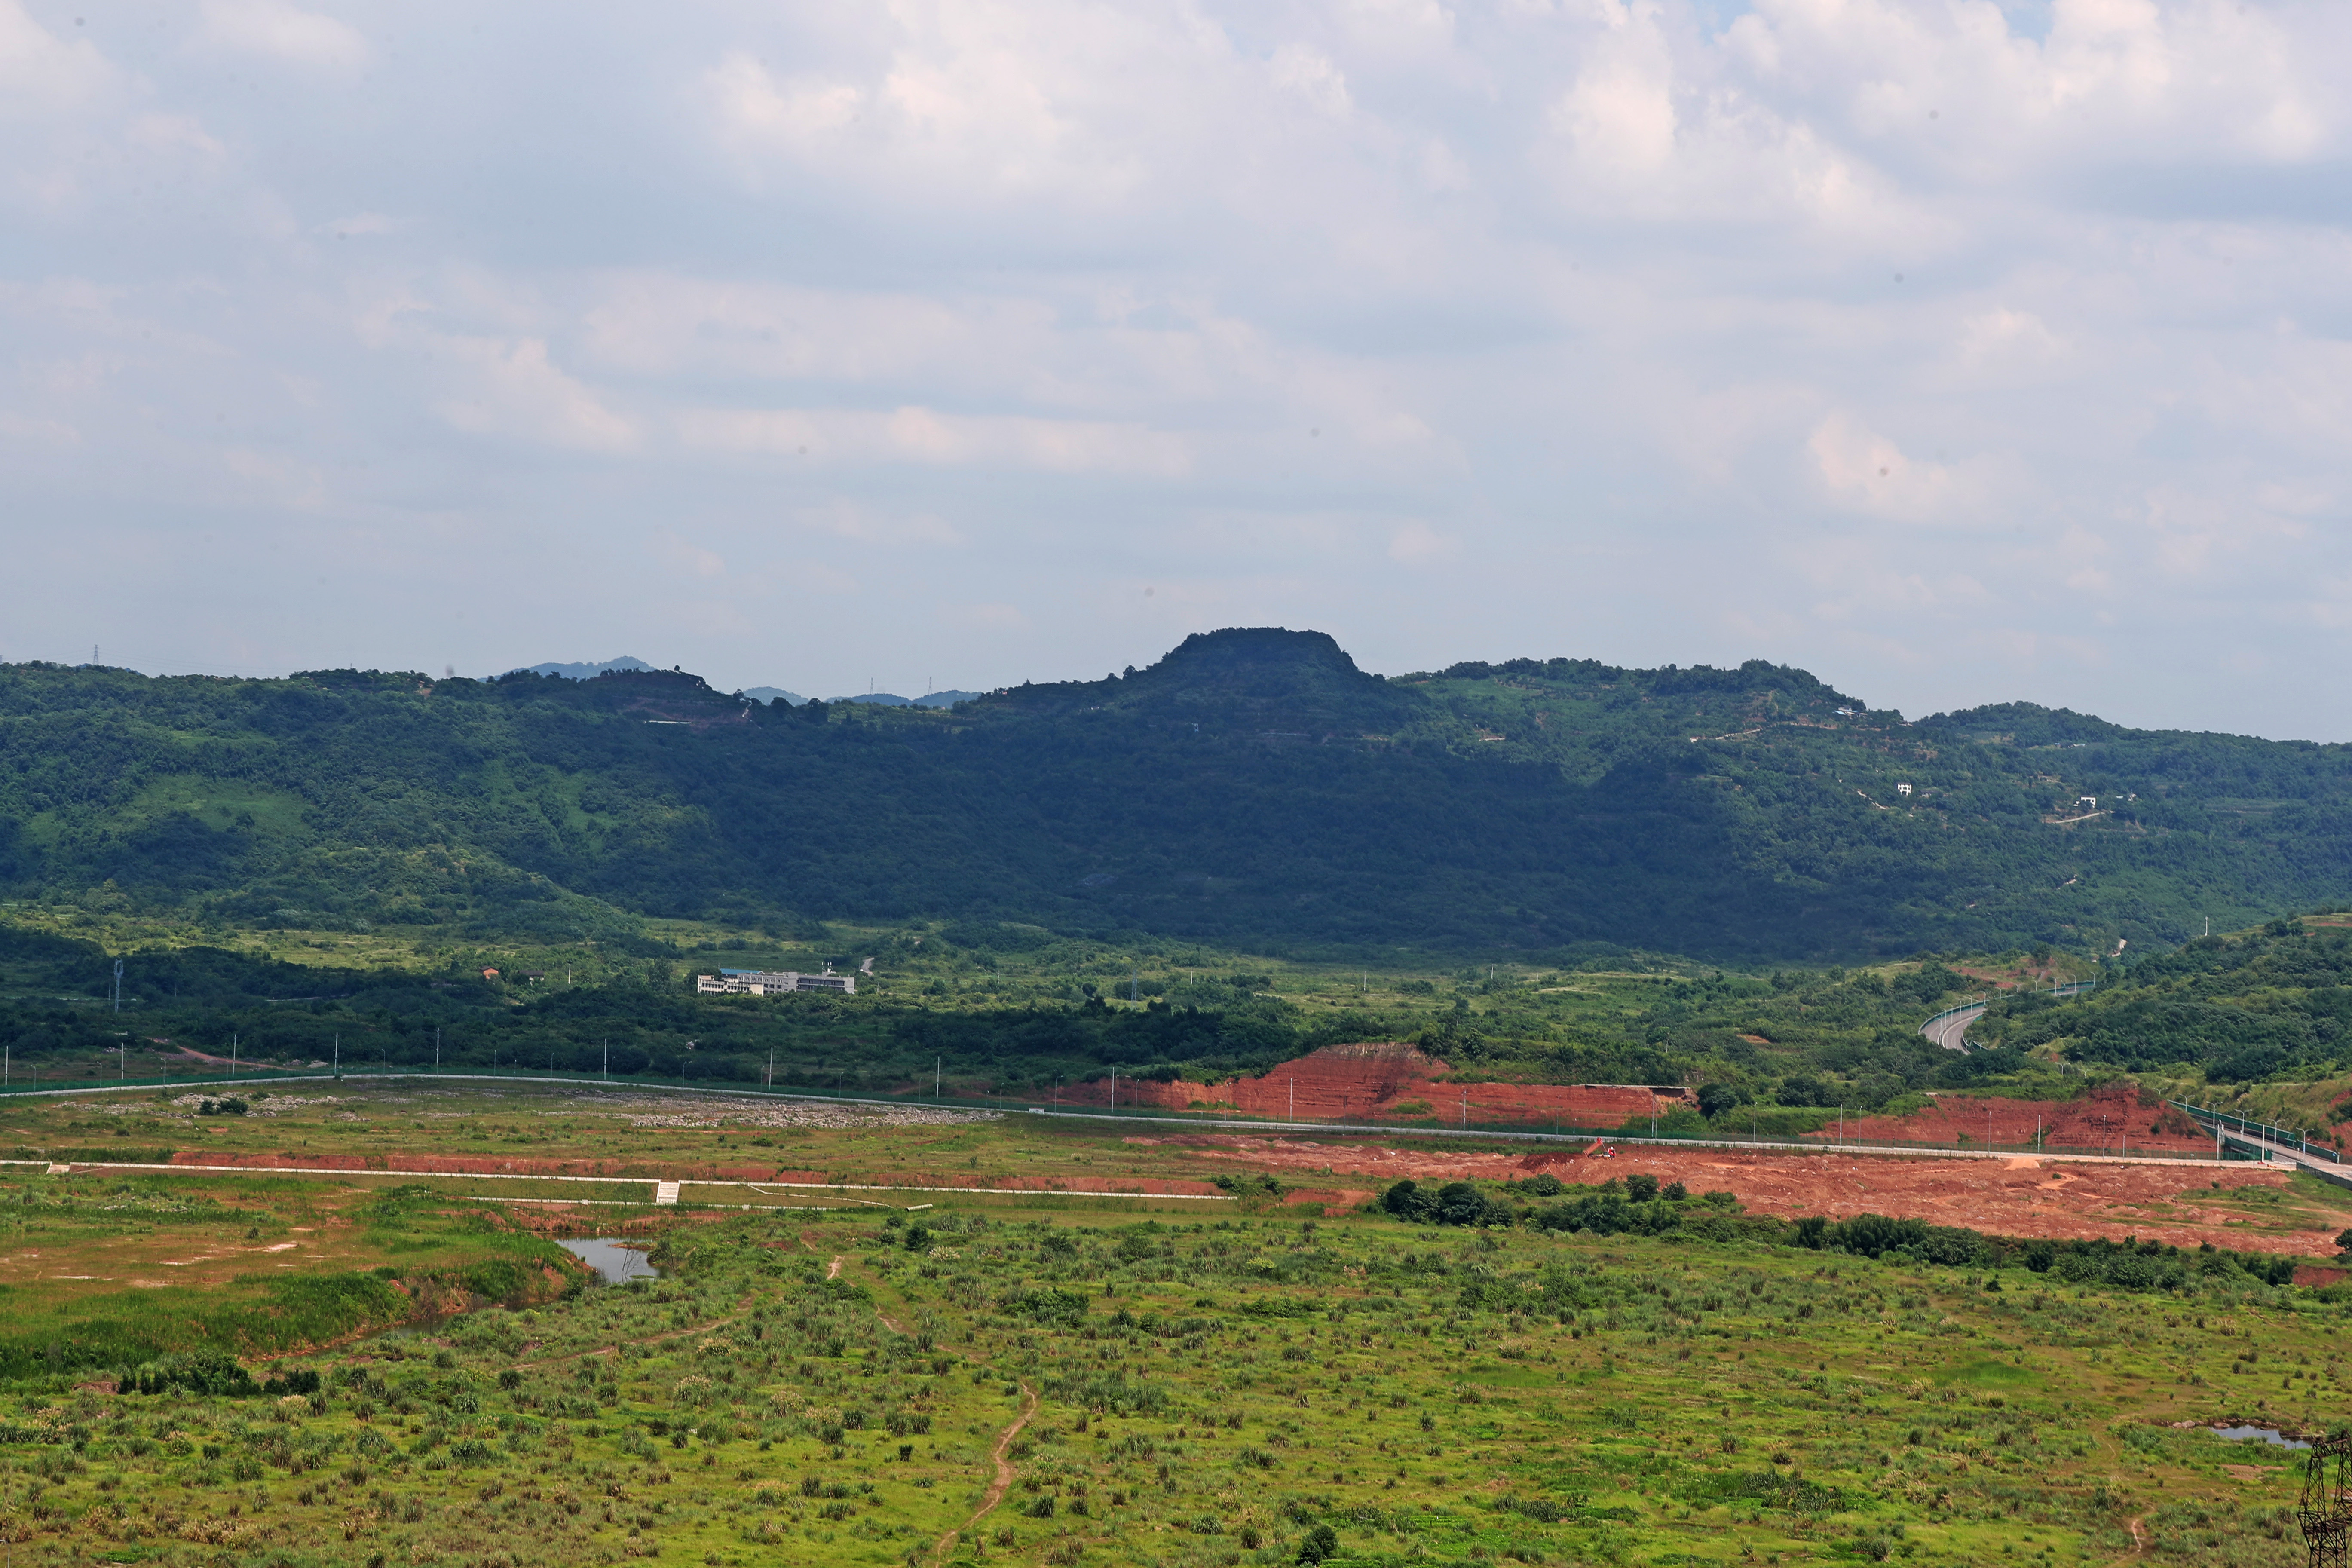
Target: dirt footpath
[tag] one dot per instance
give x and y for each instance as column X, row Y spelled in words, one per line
column 2020, row 1196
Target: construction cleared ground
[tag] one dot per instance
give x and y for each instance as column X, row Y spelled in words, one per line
column 612, row 1145
column 2241, row 1205
column 910, row 1334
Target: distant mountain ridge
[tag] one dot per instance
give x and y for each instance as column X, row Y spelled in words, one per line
column 587, row 671
column 627, row 664
column 929, row 699
column 1252, row 786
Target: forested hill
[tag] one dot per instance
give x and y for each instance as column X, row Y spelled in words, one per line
column 2273, row 1001
column 1252, row 788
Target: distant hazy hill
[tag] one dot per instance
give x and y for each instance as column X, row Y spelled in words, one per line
column 932, row 699
column 1253, row 786
column 757, row 693
column 588, row 672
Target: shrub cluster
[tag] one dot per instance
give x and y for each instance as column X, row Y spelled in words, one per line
column 1638, row 1204
column 213, row 1373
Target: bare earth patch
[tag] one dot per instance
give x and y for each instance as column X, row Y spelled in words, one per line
column 2025, row 1195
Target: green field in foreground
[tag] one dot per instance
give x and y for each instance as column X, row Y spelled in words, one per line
column 804, row 1388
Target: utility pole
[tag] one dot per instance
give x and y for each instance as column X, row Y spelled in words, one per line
column 937, row 1069
column 118, row 968
column 608, row 1059
column 437, row 1049
column 771, row 1064
column 1114, row 1091
column 339, row 1053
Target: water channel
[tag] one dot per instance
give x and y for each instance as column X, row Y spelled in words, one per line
column 2239, row 1434
column 614, row 1261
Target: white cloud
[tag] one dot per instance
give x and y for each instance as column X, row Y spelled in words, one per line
column 991, row 617
column 43, row 76
column 2002, row 340
column 276, row 478
column 37, row 430
column 1002, row 97
column 924, row 435
column 1020, row 308
column 285, row 33
column 846, row 519
column 509, row 388
column 692, row 558
column 1417, row 544
column 1865, row 471
column 1621, row 118
column 1295, row 67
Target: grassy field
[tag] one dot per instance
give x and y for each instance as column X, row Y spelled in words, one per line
column 100, row 1272
column 1056, row 1379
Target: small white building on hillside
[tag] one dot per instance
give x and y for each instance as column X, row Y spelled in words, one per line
column 770, row 982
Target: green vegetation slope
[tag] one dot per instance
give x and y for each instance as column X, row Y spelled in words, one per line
column 1253, row 788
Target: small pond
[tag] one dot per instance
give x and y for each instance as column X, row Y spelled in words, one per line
column 2266, row 1433
column 614, row 1261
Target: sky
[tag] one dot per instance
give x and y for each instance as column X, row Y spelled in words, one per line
column 1958, row 352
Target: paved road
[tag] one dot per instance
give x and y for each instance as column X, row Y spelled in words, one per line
column 2285, row 1153
column 1952, row 1032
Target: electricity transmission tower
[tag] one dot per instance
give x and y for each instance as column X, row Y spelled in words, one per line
column 2326, row 1508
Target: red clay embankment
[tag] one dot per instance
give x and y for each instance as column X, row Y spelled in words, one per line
column 1386, row 1080
column 2113, row 1118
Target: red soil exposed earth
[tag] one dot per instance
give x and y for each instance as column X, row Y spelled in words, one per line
column 2110, row 1120
column 1389, row 1080
column 2018, row 1196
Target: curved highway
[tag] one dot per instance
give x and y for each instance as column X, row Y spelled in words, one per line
column 1949, row 1028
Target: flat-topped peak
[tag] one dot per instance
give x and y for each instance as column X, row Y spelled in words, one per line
column 1272, row 648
